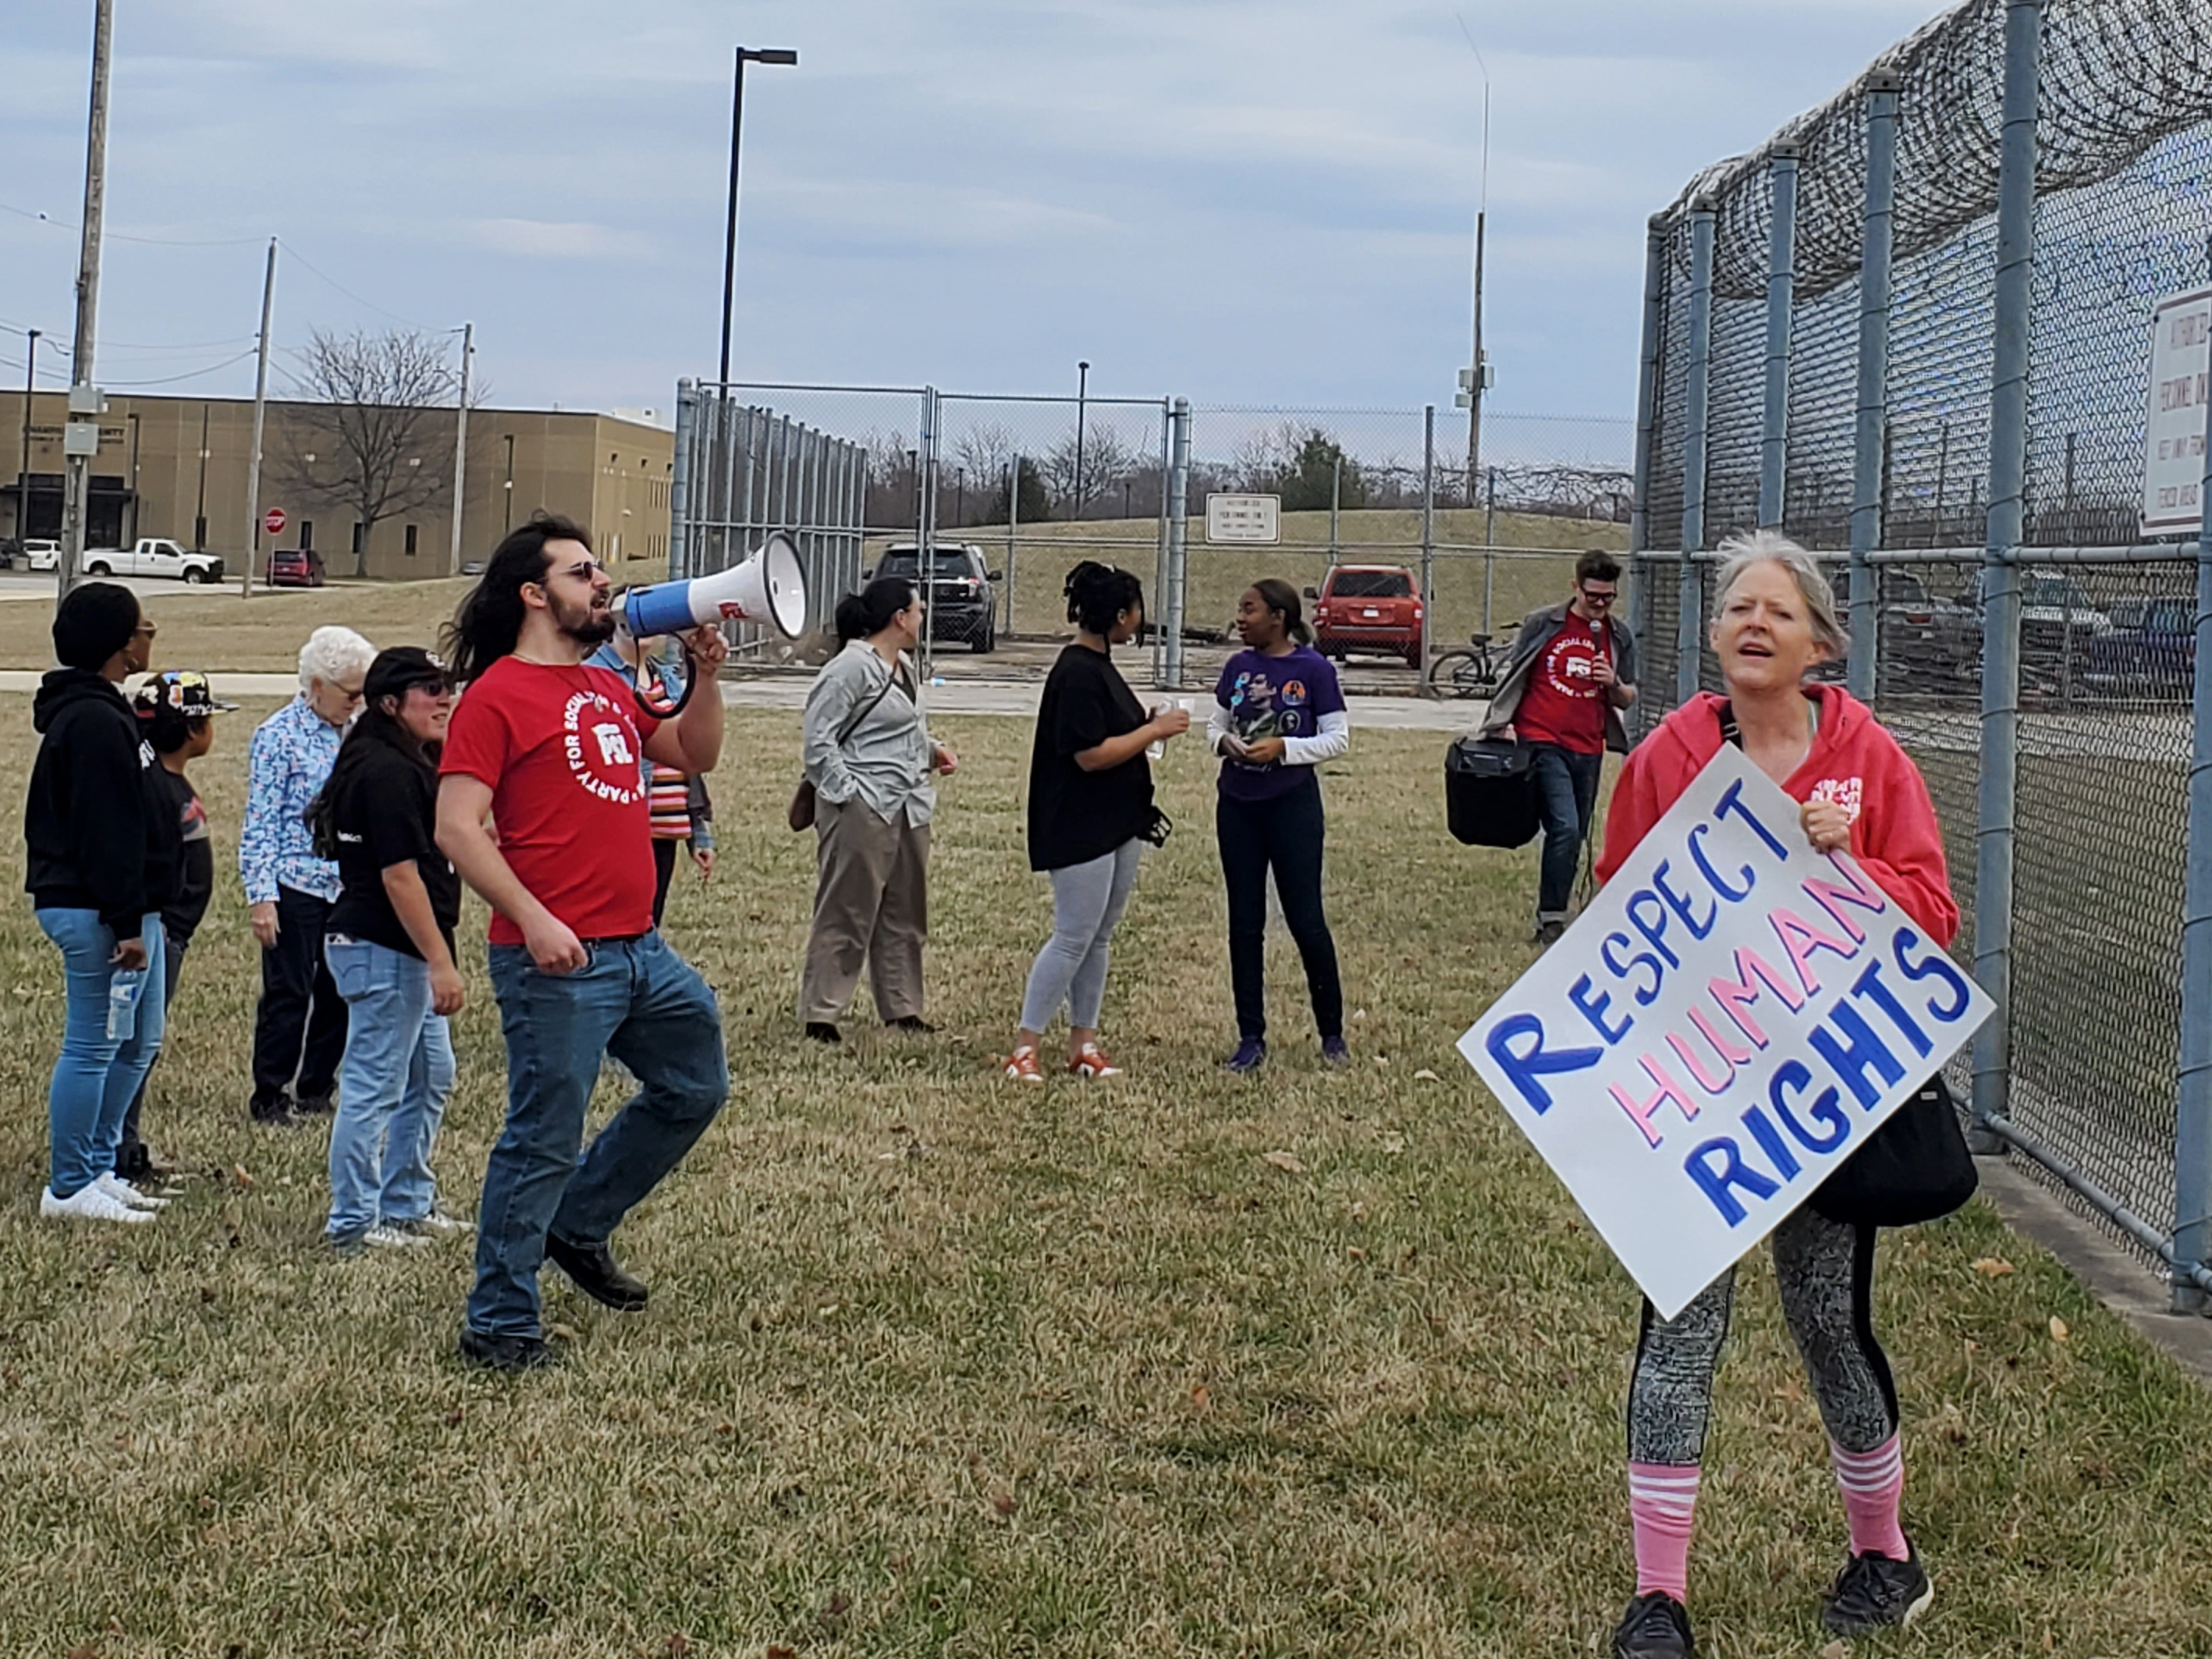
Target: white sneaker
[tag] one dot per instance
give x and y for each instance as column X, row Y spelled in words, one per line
column 436, row 1225
column 89, row 1204
column 391, row 1238
column 124, row 1192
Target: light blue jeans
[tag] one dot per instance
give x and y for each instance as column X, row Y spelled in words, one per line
column 393, row 1086
column 96, row 1075
column 1087, row 901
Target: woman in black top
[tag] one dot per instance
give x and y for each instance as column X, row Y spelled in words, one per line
column 1089, row 806
column 390, row 952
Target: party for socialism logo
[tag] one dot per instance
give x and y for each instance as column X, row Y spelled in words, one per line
column 596, row 736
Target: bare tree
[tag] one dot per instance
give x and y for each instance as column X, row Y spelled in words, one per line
column 987, row 451
column 1107, row 460
column 374, row 431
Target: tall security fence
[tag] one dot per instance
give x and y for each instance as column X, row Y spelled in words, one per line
column 1951, row 331
column 1003, row 494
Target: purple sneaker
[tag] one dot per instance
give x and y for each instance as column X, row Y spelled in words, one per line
column 1249, row 1053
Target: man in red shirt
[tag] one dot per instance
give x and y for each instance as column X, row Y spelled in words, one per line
column 1572, row 670
column 548, row 749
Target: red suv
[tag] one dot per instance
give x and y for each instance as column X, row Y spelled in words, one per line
column 1373, row 608
column 297, row 566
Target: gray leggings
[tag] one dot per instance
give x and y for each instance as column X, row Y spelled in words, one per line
column 1087, row 900
column 1825, row 1270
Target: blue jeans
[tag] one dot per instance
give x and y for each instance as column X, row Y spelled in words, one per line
column 96, row 1075
column 641, row 1002
column 392, row 1086
column 1566, row 797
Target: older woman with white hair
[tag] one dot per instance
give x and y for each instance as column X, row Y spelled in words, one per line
column 1775, row 620
column 300, row 1026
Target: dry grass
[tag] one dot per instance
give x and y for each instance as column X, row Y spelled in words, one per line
column 935, row 1368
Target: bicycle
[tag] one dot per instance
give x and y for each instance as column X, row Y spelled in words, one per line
column 1468, row 673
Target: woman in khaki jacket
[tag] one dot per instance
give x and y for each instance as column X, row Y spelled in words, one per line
column 871, row 759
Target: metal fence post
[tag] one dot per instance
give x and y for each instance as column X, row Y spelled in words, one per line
column 1781, row 298
column 1690, row 614
column 1178, row 540
column 1647, row 387
column 680, row 478
column 1013, row 529
column 2192, row 1129
column 1872, row 429
column 1428, row 537
column 1993, row 831
column 1160, row 553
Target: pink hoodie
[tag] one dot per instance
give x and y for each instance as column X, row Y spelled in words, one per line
column 1853, row 763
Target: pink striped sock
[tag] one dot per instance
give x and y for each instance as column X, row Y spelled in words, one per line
column 1662, row 1499
column 1873, row 1487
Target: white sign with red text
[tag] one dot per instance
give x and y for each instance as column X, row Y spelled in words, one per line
column 2173, row 453
column 1725, row 1025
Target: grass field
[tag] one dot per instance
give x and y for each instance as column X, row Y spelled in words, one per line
column 936, row 1367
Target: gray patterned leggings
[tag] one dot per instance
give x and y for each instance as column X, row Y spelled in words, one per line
column 1825, row 1270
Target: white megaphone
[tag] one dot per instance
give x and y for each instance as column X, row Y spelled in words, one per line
column 768, row 587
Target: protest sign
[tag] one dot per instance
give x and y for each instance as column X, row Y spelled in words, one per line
column 1729, row 1021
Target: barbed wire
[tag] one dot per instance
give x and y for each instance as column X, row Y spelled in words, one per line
column 2118, row 76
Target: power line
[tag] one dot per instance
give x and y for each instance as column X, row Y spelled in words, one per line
column 118, row 236
column 423, row 328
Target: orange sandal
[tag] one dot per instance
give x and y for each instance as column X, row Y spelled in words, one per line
column 1091, row 1062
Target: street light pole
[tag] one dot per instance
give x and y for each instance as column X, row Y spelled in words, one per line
column 730, row 233
column 1082, row 390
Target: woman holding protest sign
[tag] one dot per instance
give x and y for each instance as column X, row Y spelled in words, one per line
column 1860, row 794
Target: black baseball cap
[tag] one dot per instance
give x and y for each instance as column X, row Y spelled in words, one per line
column 179, row 691
column 398, row 667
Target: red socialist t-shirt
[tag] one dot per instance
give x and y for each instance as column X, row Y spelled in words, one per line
column 560, row 747
column 1563, row 703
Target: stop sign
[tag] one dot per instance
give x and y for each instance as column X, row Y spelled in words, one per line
column 274, row 521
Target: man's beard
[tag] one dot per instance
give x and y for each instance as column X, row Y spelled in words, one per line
column 587, row 624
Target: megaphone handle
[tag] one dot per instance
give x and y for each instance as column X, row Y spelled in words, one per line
column 666, row 711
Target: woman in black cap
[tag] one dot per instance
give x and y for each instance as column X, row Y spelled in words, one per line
column 102, row 857
column 389, row 947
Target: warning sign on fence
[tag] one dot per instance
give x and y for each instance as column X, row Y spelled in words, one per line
column 2174, row 456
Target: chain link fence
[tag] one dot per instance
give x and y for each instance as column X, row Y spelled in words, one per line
column 1916, row 330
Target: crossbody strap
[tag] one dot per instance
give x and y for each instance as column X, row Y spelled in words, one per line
column 853, row 723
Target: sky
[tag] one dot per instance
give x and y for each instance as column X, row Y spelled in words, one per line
column 1241, row 202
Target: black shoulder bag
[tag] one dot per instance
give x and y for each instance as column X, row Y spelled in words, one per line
column 1916, row 1167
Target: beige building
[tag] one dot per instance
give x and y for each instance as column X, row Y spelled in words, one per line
column 177, row 467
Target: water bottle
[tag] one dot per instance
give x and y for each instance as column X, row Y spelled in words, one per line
column 123, row 989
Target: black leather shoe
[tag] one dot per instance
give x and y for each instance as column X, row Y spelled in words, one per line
column 821, row 1030
column 912, row 1022
column 510, row 1354
column 596, row 1274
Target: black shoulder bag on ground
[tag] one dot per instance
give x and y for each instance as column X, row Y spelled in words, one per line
column 799, row 815
column 1490, row 794
column 1916, row 1167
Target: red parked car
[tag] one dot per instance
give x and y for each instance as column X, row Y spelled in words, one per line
column 296, row 567
column 1374, row 608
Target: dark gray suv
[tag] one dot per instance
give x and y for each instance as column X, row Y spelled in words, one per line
column 962, row 595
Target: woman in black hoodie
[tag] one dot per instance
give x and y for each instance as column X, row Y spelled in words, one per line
column 103, row 859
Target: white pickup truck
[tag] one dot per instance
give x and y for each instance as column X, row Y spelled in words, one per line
column 152, row 555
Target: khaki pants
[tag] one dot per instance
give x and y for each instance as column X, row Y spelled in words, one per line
column 872, row 900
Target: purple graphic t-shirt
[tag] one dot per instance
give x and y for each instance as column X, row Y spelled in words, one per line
column 1274, row 697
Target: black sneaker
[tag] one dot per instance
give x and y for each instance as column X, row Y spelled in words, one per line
column 912, row 1022
column 1549, row 934
column 275, row 1109
column 596, row 1274
column 317, row 1105
column 134, row 1162
column 505, row 1353
column 1655, row 1626
column 821, row 1030
column 1874, row 1592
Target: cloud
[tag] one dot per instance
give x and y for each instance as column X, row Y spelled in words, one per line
column 538, row 239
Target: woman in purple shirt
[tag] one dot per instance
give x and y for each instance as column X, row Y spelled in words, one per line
column 1277, row 713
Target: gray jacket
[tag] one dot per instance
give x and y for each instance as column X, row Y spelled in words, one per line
column 1538, row 629
column 884, row 764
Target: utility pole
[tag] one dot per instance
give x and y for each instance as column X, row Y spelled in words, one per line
column 81, row 435
column 23, row 477
column 461, row 446
column 260, row 419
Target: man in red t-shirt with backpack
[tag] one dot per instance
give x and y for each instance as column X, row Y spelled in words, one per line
column 1572, row 673
column 548, row 749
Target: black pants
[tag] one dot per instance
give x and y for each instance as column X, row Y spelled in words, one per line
column 130, row 1152
column 1284, row 834
column 300, row 1027
column 664, row 871
column 1566, row 797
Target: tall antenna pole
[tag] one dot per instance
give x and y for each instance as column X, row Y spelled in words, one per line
column 84, row 401
column 461, row 446
column 1474, row 382
column 260, row 421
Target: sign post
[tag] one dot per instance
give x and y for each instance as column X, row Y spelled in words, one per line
column 1729, row 1021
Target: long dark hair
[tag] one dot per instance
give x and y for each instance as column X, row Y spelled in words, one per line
column 1098, row 593
column 1278, row 595
column 489, row 620
column 375, row 728
column 871, row 609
